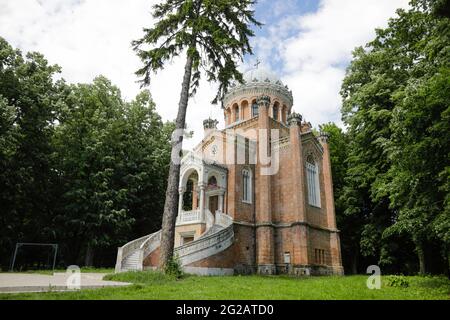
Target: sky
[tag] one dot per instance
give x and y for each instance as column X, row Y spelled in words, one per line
column 307, row 43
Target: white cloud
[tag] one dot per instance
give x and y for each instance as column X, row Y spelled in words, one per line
column 91, row 37
column 314, row 59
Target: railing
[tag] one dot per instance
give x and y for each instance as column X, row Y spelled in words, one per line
column 223, row 219
column 190, row 252
column 209, row 219
column 151, row 244
column 205, row 247
column 125, row 251
column 186, row 217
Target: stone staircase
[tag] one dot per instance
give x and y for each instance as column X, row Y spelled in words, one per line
column 131, row 262
column 218, row 237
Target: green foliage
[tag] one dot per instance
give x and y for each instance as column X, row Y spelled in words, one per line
column 79, row 166
column 214, row 33
column 396, row 106
column 396, row 281
column 141, row 277
column 174, row 268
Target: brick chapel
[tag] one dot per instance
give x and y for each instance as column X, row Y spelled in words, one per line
column 257, row 195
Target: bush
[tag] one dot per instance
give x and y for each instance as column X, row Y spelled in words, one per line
column 174, row 268
column 397, row 281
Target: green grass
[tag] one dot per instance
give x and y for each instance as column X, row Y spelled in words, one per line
column 153, row 285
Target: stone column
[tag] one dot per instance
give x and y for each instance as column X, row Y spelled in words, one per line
column 202, row 202
column 335, row 247
column 221, row 202
column 180, row 203
column 265, row 256
column 300, row 230
column 194, row 197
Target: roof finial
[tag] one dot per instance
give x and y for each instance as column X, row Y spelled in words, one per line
column 257, row 63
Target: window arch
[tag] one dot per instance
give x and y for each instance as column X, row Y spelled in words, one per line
column 246, row 186
column 312, row 177
column 255, row 110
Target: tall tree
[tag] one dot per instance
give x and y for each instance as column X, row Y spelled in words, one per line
column 29, row 100
column 213, row 35
column 396, row 106
column 112, row 158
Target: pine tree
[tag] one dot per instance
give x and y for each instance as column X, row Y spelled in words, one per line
column 213, row 35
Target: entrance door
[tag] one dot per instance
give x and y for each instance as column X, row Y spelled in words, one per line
column 213, row 204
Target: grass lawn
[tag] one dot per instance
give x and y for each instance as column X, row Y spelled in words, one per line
column 152, row 285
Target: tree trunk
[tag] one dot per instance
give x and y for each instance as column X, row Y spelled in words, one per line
column 355, row 263
column 421, row 256
column 89, row 257
column 171, row 202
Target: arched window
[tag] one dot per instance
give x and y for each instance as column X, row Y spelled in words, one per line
column 246, row 186
column 312, row 177
column 275, row 111
column 255, row 110
column 236, row 113
column 188, row 195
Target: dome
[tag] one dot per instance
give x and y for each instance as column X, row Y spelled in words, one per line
column 256, row 82
column 261, row 75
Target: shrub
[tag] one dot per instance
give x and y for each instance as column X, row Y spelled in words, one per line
column 397, row 281
column 174, row 268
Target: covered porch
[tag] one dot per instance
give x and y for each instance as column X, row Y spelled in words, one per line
column 202, row 193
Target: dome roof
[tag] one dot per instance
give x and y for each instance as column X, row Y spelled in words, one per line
column 258, row 81
column 261, row 75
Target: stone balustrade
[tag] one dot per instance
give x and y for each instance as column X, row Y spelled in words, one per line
column 206, row 246
column 128, row 249
column 189, row 217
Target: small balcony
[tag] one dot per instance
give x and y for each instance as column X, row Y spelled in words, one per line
column 190, row 217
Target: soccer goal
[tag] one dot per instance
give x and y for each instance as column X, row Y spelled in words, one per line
column 34, row 256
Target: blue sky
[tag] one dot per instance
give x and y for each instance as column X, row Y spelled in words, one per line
column 270, row 12
column 306, row 43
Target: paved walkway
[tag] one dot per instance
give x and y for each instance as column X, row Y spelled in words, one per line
column 32, row 282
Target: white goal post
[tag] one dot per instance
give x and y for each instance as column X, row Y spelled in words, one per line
column 22, row 244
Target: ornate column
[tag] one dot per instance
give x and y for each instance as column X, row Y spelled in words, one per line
column 202, row 201
column 265, row 247
column 194, row 196
column 221, row 202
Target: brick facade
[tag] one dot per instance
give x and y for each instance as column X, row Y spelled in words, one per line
column 278, row 231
